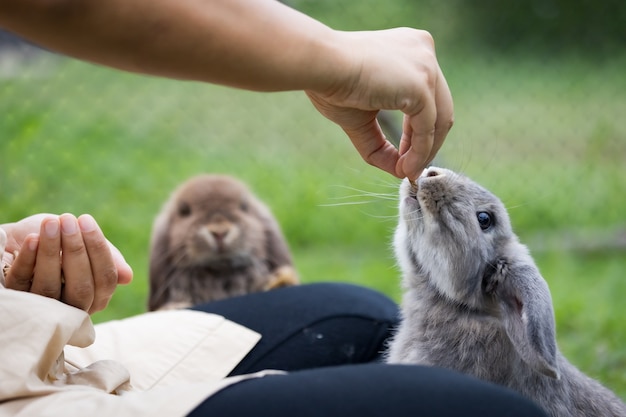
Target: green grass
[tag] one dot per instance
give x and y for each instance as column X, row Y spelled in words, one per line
column 587, row 292
column 548, row 137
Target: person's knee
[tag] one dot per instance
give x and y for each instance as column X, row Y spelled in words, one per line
column 307, row 303
column 349, row 299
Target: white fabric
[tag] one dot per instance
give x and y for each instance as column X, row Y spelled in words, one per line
column 155, row 364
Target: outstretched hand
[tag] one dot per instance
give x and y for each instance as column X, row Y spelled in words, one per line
column 65, row 258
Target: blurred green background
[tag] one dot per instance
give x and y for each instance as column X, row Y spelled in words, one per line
column 540, row 100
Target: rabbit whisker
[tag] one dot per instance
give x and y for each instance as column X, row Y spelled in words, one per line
column 366, row 193
column 380, row 216
column 347, row 203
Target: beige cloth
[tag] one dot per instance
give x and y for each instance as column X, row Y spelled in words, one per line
column 155, row 364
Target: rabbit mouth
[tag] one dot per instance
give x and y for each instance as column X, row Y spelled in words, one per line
column 226, row 260
column 410, row 208
column 411, row 201
column 414, row 201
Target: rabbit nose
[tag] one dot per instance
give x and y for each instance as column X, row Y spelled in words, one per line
column 219, row 235
column 219, row 231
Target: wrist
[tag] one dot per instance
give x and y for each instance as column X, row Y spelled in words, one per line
column 334, row 64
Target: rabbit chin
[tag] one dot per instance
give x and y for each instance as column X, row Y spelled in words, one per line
column 418, row 260
column 202, row 247
column 419, row 254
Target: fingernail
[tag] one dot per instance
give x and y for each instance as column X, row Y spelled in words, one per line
column 51, row 227
column 33, row 243
column 87, row 223
column 68, row 225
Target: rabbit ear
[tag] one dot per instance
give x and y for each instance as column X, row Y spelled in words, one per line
column 159, row 251
column 525, row 306
column 277, row 250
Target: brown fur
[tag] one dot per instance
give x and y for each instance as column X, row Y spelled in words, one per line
column 214, row 239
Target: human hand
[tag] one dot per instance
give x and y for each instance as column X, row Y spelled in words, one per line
column 393, row 69
column 65, row 258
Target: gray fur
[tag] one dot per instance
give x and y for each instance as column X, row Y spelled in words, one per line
column 474, row 300
column 214, row 239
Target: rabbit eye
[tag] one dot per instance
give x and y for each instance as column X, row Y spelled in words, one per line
column 484, row 220
column 243, row 206
column 184, row 209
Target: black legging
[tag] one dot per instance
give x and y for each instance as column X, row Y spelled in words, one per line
column 319, row 333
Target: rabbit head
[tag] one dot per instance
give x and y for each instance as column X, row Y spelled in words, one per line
column 455, row 237
column 213, row 228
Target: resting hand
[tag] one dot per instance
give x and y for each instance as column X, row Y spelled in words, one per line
column 394, row 69
column 65, row 258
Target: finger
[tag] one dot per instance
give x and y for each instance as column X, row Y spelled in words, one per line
column 47, row 272
column 103, row 267
column 445, row 115
column 20, row 274
column 22, row 228
column 78, row 290
column 374, row 148
column 124, row 271
column 407, row 133
column 422, row 133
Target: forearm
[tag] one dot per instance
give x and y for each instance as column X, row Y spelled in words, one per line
column 266, row 46
column 254, row 44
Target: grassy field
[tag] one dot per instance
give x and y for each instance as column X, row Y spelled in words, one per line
column 549, row 137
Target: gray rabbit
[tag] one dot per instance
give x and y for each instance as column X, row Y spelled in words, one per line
column 214, row 239
column 475, row 302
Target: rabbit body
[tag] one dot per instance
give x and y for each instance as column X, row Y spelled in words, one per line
column 214, row 239
column 474, row 300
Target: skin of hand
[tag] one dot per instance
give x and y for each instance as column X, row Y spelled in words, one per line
column 398, row 70
column 65, row 258
column 262, row 45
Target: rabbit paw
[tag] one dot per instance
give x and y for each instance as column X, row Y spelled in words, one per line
column 284, row 276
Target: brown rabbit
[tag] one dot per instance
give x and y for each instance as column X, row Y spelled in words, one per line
column 214, row 239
